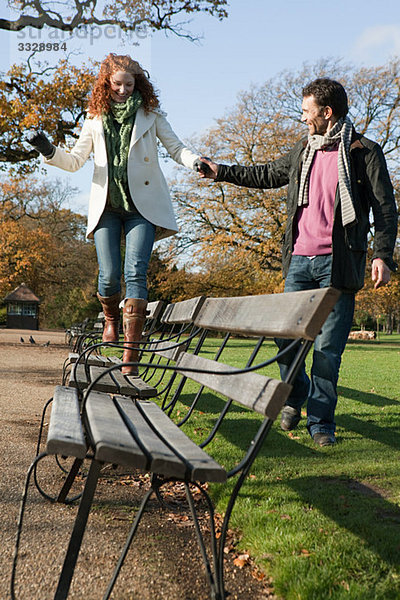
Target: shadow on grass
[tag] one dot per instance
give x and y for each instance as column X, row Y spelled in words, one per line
column 358, row 507
column 238, row 427
column 390, row 436
column 366, row 397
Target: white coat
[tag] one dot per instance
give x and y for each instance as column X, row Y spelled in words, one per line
column 147, row 184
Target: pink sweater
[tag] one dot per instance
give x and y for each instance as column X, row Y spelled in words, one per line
column 315, row 220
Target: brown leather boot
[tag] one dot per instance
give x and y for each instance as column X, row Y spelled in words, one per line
column 110, row 305
column 134, row 316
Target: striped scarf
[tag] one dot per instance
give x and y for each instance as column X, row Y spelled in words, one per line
column 341, row 132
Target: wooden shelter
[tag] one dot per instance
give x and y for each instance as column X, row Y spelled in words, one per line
column 22, row 308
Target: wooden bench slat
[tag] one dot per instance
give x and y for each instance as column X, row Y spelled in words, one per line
column 142, row 389
column 170, row 353
column 258, row 392
column 113, row 360
column 202, row 466
column 112, row 441
column 65, row 435
column 154, row 309
column 106, row 383
column 162, row 459
column 92, row 360
column 116, row 383
column 294, row 315
column 183, row 312
column 133, row 386
column 81, row 380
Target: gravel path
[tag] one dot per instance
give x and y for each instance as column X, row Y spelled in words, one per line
column 164, row 562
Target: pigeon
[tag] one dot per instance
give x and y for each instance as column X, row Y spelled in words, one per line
column 32, row 341
column 46, row 344
column 21, row 339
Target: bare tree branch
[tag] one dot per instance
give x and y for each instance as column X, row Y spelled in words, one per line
column 129, row 15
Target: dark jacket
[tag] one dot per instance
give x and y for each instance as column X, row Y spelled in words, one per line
column 371, row 189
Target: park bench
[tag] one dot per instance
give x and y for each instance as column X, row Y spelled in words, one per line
column 173, row 337
column 92, row 338
column 88, row 334
column 135, row 432
column 76, row 330
column 81, row 369
column 88, row 366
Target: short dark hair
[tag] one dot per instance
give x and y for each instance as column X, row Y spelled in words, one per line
column 328, row 92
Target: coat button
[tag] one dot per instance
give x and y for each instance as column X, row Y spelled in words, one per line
column 146, row 159
column 146, row 182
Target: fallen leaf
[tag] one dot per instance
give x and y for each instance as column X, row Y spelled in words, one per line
column 345, row 585
column 244, row 556
column 259, row 575
column 241, row 560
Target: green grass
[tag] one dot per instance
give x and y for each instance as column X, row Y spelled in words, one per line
column 324, row 523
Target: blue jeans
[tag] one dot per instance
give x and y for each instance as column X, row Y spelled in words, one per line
column 320, row 390
column 139, row 240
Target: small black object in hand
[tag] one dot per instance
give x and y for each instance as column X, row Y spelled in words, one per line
column 203, row 167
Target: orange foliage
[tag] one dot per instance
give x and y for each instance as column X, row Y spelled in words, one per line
column 43, row 244
column 23, row 254
column 53, row 99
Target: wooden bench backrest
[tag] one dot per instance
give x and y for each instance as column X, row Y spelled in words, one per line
column 185, row 311
column 154, row 309
column 291, row 315
column 177, row 313
column 258, row 392
column 153, row 314
column 297, row 315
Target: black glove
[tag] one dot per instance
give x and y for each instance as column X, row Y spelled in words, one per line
column 202, row 166
column 41, row 143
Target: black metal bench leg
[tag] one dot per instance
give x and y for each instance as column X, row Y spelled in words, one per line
column 75, row 542
column 20, row 523
column 127, row 544
column 62, row 496
column 76, row 465
column 42, row 425
column 215, row 595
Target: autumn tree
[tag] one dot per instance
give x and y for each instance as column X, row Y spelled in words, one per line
column 129, row 15
column 380, row 306
column 42, row 243
column 53, row 98
column 243, row 227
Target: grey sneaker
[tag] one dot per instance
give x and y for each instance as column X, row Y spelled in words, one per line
column 324, row 439
column 289, row 418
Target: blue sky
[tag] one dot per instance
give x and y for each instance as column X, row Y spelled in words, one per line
column 198, row 82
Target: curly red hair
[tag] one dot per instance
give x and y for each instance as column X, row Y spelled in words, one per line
column 99, row 102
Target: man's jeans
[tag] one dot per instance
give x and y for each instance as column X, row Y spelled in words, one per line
column 320, row 390
column 139, row 240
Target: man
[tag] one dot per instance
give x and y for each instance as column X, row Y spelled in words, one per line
column 334, row 177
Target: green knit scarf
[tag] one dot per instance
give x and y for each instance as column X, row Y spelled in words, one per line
column 117, row 144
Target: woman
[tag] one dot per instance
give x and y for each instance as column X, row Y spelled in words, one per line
column 128, row 192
